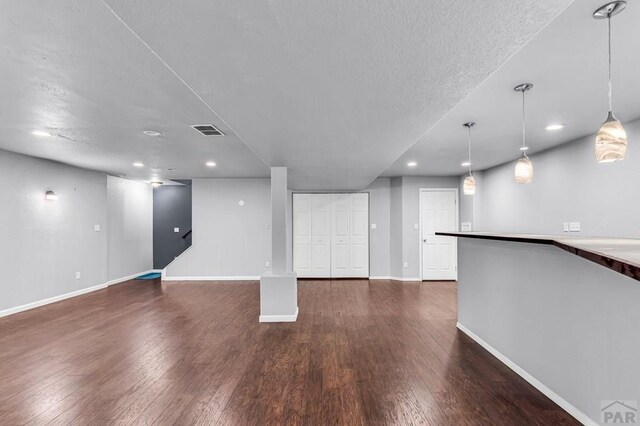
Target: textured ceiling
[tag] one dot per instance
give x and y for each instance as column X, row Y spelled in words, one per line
column 567, row 63
column 336, row 91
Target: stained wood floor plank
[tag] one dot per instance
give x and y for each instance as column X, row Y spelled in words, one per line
column 361, row 353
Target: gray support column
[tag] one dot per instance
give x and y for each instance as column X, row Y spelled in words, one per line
column 279, row 220
column 279, row 288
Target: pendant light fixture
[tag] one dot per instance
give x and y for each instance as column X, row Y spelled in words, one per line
column 611, row 140
column 524, row 168
column 469, row 186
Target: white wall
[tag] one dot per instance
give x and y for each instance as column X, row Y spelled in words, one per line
column 44, row 243
column 229, row 240
column 568, row 186
column 130, row 227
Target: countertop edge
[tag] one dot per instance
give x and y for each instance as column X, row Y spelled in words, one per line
column 615, row 264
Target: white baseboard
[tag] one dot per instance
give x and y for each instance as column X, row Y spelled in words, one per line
column 58, row 298
column 233, row 278
column 566, row 406
column 130, row 277
column 403, row 279
column 279, row 318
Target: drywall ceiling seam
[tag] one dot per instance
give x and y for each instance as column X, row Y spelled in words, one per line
column 182, row 80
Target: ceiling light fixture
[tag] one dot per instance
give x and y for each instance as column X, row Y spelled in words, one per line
column 211, row 164
column 41, row 133
column 138, row 164
column 553, row 127
column 156, row 184
column 524, row 168
column 469, row 185
column 412, row 164
column 611, row 139
column 51, row 196
column 152, row 133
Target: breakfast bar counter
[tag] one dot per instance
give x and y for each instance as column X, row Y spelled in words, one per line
column 563, row 312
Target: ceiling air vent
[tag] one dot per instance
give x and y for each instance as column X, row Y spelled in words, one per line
column 207, row 130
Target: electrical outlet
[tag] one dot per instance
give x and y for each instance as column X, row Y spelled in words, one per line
column 465, row 226
column 574, row 226
column 176, row 230
column 374, row 226
column 96, row 228
column 405, row 265
column 565, row 227
column 78, row 275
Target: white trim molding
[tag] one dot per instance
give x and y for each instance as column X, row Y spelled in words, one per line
column 564, row 404
column 50, row 300
column 279, row 318
column 208, row 278
column 130, row 277
column 75, row 293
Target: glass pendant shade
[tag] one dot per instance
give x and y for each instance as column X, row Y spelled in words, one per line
column 469, row 186
column 611, row 141
column 524, row 170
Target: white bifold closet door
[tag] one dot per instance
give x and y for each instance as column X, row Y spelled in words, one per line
column 312, row 235
column 331, row 235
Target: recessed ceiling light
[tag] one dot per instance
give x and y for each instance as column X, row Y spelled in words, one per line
column 524, row 148
column 412, row 164
column 552, row 127
column 465, row 164
column 152, row 133
column 156, row 184
column 138, row 164
column 41, row 133
column 211, row 164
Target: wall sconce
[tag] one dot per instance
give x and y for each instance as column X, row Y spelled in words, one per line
column 50, row 195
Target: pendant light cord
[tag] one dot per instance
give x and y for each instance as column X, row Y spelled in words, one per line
column 470, row 151
column 524, row 132
column 609, row 22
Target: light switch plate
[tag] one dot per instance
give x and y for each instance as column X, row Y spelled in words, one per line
column 374, row 226
column 96, row 228
column 574, row 226
column 78, row 275
column 267, row 263
column 416, row 226
column 405, row 265
column 176, row 229
column 565, row 227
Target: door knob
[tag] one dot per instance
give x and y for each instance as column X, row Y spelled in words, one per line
column 424, row 240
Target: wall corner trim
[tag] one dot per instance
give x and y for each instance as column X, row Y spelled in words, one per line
column 279, row 318
column 564, row 404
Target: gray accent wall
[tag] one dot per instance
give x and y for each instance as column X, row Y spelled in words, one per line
column 568, row 186
column 171, row 209
column 229, row 240
column 43, row 244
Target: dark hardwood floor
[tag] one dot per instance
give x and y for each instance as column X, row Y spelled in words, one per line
column 362, row 352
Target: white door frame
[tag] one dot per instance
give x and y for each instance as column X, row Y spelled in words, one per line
column 456, row 191
column 368, row 227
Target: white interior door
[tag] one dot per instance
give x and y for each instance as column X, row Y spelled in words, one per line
column 320, row 235
column 439, row 212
